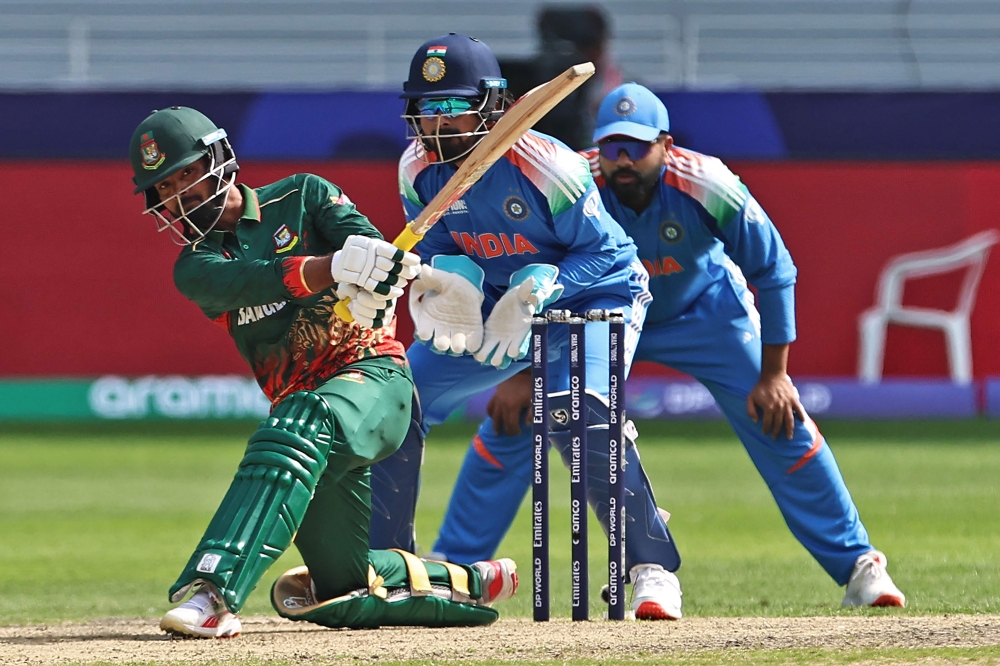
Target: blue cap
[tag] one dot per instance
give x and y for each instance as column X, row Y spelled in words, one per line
column 631, row 110
column 452, row 66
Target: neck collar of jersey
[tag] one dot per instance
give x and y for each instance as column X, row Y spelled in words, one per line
column 251, row 205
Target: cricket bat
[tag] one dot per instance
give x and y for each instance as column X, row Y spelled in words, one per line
column 516, row 120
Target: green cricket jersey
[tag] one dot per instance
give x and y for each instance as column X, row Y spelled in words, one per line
column 250, row 282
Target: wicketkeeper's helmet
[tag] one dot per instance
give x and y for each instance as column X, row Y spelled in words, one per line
column 453, row 67
column 166, row 142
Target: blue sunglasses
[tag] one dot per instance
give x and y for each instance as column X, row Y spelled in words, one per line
column 634, row 148
column 449, row 106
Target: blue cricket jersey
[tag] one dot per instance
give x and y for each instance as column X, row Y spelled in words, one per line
column 703, row 226
column 538, row 204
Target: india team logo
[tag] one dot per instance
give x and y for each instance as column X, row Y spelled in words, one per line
column 625, row 106
column 671, row 232
column 438, row 51
column 284, row 239
column 515, row 208
column 152, row 158
column 434, row 69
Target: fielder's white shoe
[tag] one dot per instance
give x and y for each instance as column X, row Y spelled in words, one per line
column 204, row 615
column 656, row 593
column 499, row 580
column 870, row 584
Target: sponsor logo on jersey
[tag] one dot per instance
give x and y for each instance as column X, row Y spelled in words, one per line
column 436, row 51
column 488, row 246
column 258, row 312
column 284, row 239
column 457, row 208
column 515, row 208
column 592, row 206
column 671, row 232
column 662, row 266
column 625, row 106
column 433, row 69
column 152, row 158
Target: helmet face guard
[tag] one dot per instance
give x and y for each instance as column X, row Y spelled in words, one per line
column 488, row 108
column 191, row 226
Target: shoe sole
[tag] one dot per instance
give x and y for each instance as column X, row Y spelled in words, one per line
column 650, row 610
column 186, row 631
column 889, row 600
column 175, row 633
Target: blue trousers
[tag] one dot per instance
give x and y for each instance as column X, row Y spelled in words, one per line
column 717, row 341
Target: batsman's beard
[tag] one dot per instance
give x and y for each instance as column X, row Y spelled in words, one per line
column 447, row 145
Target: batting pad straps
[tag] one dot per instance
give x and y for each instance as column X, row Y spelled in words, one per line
column 420, row 582
column 266, row 502
column 293, row 598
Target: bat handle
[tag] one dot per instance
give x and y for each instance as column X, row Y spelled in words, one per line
column 405, row 241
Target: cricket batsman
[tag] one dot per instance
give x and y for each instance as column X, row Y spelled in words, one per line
column 530, row 235
column 268, row 265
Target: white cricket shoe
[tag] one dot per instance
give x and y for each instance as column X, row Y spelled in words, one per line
column 656, row 593
column 870, row 584
column 499, row 580
column 204, row 615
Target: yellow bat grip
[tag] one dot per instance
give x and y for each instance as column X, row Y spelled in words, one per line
column 405, row 241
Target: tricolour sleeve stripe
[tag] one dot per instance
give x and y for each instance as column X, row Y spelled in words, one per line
column 708, row 181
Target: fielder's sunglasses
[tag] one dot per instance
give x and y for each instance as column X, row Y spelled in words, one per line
column 634, row 148
column 449, row 106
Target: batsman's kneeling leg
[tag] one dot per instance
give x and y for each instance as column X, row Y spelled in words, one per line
column 426, row 594
column 266, row 502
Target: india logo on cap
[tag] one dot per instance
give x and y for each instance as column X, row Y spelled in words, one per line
column 625, row 106
column 436, row 51
column 433, row 69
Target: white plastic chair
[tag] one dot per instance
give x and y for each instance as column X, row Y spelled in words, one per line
column 970, row 254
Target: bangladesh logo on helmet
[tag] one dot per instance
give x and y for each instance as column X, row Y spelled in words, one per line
column 515, row 208
column 434, row 69
column 625, row 106
column 671, row 232
column 152, row 158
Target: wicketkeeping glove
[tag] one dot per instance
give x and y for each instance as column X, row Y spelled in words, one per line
column 375, row 265
column 446, row 305
column 508, row 327
column 369, row 310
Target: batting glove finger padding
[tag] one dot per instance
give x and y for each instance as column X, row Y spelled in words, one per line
column 374, row 265
column 369, row 310
column 446, row 305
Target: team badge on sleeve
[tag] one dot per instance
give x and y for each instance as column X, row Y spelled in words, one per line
column 284, row 239
column 434, row 69
column 515, row 208
column 152, row 158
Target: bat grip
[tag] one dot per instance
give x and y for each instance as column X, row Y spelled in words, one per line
column 406, row 240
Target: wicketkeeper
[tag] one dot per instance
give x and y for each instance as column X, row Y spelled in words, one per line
column 268, row 264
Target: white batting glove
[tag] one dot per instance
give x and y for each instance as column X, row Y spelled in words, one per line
column 374, row 265
column 445, row 304
column 369, row 310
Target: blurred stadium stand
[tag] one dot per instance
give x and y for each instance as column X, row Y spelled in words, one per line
column 667, row 44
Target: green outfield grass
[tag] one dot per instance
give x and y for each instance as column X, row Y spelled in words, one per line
column 97, row 521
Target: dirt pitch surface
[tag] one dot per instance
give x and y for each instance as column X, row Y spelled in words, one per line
column 265, row 638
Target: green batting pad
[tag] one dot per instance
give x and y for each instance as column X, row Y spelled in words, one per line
column 265, row 504
column 374, row 607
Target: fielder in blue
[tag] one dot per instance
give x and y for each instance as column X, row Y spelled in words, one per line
column 531, row 234
column 702, row 236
